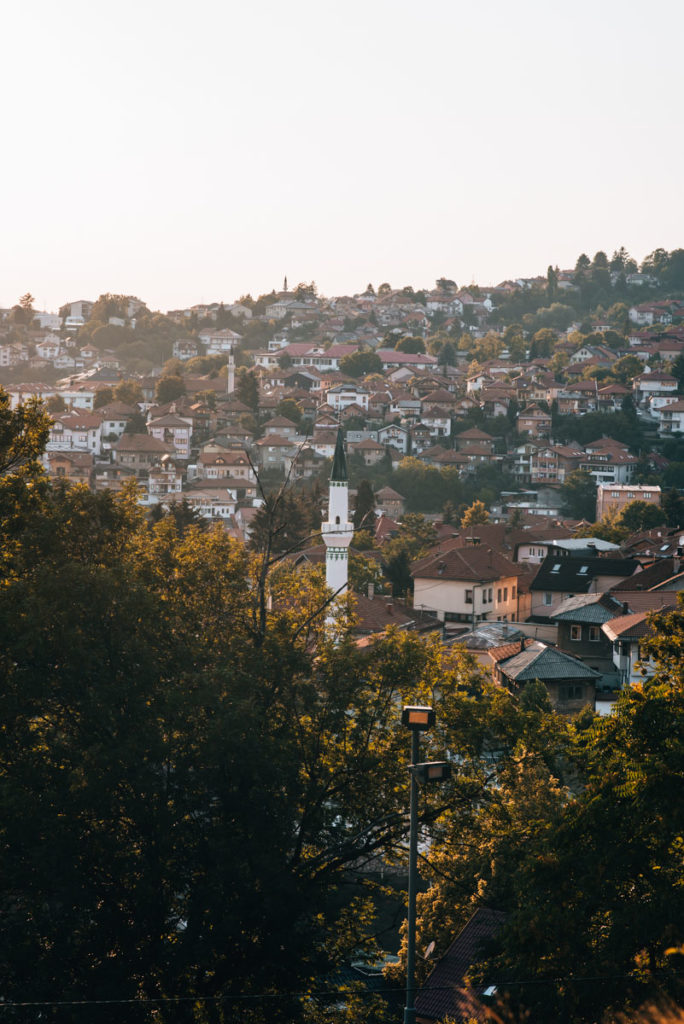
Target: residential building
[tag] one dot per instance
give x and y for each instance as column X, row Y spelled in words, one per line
column 467, row 585
column 561, row 577
column 570, row 683
column 614, row 497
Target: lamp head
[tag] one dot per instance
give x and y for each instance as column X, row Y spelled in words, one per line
column 416, row 716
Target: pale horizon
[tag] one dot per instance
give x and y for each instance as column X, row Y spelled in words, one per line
column 193, row 155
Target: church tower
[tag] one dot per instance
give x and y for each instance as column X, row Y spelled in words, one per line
column 338, row 531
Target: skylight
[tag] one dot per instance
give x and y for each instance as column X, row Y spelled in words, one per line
column 584, row 570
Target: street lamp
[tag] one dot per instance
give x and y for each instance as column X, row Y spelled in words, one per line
column 417, row 718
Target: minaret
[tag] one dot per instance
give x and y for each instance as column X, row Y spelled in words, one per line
column 338, row 531
column 230, row 376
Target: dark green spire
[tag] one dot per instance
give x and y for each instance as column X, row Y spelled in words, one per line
column 339, row 466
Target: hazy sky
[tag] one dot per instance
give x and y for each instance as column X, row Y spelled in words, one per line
column 193, row 151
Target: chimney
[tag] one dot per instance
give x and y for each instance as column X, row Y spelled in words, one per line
column 522, row 644
column 625, row 608
column 676, row 563
column 371, row 591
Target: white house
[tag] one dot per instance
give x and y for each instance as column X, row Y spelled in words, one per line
column 344, row 395
column 76, row 431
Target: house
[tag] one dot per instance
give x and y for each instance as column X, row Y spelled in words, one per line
column 467, row 585
column 614, row 497
column 164, row 482
column 647, row 385
column 219, row 342
column 395, row 436
column 272, row 450
column 76, row 467
column 370, row 451
column 570, row 683
column 438, row 420
column 392, row 359
column 137, row 452
column 474, row 439
column 579, row 621
column 75, row 431
column 561, row 577
column 670, row 418
column 115, row 417
column 185, row 349
column 390, row 502
column 626, row 633
column 534, row 421
column 173, row 430
column 79, row 397
column 552, row 464
column 609, row 462
column 343, row 395
column 443, row 996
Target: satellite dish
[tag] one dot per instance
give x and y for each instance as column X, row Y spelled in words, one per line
column 429, row 951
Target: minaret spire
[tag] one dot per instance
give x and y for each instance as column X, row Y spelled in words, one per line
column 338, row 530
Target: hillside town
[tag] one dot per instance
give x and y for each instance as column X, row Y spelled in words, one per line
column 514, row 454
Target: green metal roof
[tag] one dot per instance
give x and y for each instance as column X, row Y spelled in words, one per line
column 545, row 663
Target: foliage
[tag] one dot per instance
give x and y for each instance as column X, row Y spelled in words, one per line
column 410, row 344
column 579, row 495
column 23, row 435
column 475, row 514
column 358, row 364
column 363, row 517
column 247, row 388
column 169, row 388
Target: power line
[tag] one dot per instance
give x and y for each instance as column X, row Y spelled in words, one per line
column 322, row 994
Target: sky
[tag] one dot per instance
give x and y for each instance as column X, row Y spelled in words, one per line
column 197, row 151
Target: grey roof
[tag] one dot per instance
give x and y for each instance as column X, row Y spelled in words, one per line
column 576, row 575
column 594, row 609
column 489, row 634
column 545, row 663
column 584, row 544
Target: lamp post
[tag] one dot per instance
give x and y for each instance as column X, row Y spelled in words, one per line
column 417, row 718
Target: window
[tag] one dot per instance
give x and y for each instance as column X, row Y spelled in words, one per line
column 513, row 593
column 548, row 598
column 498, row 595
column 594, row 634
column 575, row 632
column 574, row 692
column 468, row 597
column 491, row 594
column 556, row 567
column 505, row 593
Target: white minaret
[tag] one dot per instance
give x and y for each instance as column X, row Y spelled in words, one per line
column 338, row 531
column 230, row 376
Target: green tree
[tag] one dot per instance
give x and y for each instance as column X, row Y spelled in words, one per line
column 627, row 368
column 365, row 505
column 247, row 388
column 358, row 364
column 168, row 389
column 289, row 408
column 641, row 515
column 23, row 435
column 129, row 392
column 579, row 495
column 410, row 344
column 447, row 354
column 672, row 505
